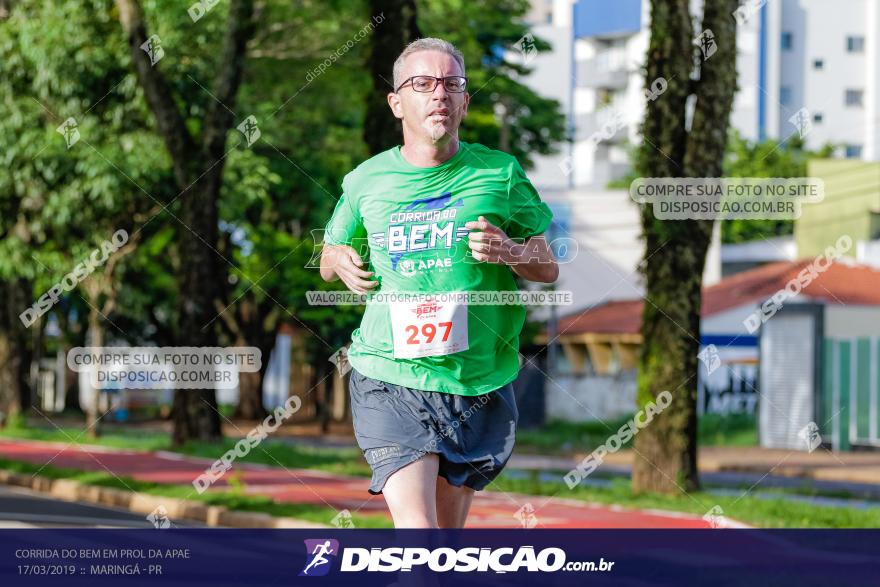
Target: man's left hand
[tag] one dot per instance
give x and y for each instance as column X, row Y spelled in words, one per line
column 532, row 260
column 489, row 243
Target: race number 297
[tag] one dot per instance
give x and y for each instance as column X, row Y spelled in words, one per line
column 429, row 328
column 428, row 331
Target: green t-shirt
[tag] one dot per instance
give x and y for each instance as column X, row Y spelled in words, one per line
column 411, row 219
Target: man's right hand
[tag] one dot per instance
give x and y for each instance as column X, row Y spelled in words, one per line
column 344, row 262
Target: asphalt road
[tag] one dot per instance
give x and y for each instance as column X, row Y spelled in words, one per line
column 22, row 508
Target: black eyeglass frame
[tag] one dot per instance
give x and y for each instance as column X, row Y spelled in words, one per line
column 437, row 80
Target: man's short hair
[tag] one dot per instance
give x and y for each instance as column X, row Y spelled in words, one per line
column 426, row 44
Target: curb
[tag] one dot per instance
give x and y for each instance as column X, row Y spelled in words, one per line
column 142, row 503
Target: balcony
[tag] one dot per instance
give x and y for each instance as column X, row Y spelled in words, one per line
column 608, row 125
column 607, row 70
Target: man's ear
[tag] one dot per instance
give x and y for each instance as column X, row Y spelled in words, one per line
column 467, row 101
column 396, row 106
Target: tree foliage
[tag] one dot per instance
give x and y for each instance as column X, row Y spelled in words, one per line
column 222, row 231
column 768, row 158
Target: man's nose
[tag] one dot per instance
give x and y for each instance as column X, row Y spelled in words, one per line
column 440, row 90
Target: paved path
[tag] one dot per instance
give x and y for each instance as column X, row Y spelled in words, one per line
column 716, row 462
column 23, row 508
column 490, row 508
column 727, row 473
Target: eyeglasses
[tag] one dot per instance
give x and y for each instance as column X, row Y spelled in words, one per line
column 428, row 83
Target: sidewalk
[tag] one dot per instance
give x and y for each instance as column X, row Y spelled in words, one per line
column 820, row 465
column 489, row 510
column 719, row 462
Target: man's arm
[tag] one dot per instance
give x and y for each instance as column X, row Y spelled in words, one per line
column 343, row 262
column 532, row 260
column 539, row 263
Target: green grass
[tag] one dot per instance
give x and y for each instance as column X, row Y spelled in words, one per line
column 341, row 461
column 555, row 438
column 771, row 513
column 730, row 430
column 558, row 437
column 132, row 439
column 233, row 499
column 764, row 513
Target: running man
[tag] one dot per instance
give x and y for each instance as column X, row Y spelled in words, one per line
column 431, row 381
column 319, row 552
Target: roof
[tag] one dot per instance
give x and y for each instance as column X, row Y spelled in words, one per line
column 841, row 283
column 615, row 317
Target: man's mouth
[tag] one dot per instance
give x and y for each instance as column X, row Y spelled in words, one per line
column 439, row 114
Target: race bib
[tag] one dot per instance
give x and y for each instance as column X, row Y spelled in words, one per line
column 429, row 326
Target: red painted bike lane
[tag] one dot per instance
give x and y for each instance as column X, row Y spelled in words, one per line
column 490, row 509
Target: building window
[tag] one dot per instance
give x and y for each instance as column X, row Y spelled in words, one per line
column 786, row 41
column 785, row 95
column 818, row 64
column 853, row 151
column 817, row 117
column 854, row 97
column 855, row 44
column 605, row 97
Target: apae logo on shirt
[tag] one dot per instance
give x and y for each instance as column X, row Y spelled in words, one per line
column 425, row 224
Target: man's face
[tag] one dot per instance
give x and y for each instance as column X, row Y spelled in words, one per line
column 431, row 115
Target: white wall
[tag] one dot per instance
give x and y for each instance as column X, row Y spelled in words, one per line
column 872, row 83
column 583, row 399
column 744, row 116
column 551, row 78
column 826, row 26
column 728, row 322
column 850, row 320
column 868, row 253
column 819, row 29
column 605, row 225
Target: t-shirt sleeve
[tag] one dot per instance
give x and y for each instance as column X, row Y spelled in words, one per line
column 346, row 224
column 528, row 215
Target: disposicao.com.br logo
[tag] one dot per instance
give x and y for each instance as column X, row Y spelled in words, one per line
column 322, row 552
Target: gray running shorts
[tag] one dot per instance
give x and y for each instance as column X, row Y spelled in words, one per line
column 396, row 425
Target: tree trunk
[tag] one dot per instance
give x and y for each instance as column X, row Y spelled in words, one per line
column 71, row 387
column 250, row 396
column 10, row 407
column 398, row 28
column 250, row 387
column 321, row 395
column 96, row 339
column 72, row 334
column 198, row 169
column 15, row 353
column 194, row 412
column 675, row 250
